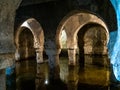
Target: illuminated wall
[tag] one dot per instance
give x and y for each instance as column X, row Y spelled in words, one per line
column 115, row 52
column 63, row 39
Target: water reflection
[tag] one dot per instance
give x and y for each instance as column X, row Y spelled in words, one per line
column 32, row 76
column 2, row 79
column 72, row 78
column 25, row 75
column 41, row 77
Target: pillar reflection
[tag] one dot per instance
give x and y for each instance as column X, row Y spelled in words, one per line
column 41, row 76
column 2, row 78
column 72, row 78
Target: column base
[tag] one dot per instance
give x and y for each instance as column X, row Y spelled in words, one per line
column 72, row 57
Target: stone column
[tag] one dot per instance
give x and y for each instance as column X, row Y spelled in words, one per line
column 72, row 56
column 72, row 47
column 7, row 16
column 39, row 55
column 53, row 59
column 39, row 51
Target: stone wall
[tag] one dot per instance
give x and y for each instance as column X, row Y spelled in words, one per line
column 7, row 14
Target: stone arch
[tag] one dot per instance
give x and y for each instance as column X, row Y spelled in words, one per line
column 38, row 35
column 72, row 23
column 26, row 43
column 95, row 35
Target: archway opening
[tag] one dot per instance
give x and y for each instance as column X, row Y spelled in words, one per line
column 91, row 31
column 92, row 38
column 92, row 44
column 26, row 43
column 33, row 40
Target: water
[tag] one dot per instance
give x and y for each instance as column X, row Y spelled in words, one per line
column 28, row 75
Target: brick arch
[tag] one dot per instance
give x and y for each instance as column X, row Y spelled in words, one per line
column 87, row 17
column 73, row 22
column 37, row 31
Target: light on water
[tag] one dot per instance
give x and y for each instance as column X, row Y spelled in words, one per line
column 46, row 82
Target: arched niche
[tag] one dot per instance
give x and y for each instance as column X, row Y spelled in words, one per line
column 26, row 43
column 38, row 38
column 92, row 39
column 73, row 22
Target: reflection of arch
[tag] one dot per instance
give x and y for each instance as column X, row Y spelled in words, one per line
column 38, row 35
column 72, row 23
